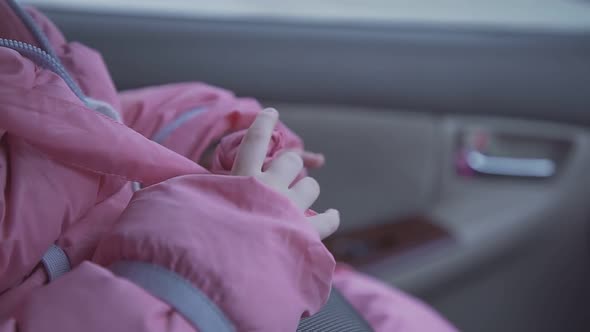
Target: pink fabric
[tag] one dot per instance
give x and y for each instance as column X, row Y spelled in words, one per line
column 147, row 110
column 386, row 308
column 90, row 298
column 212, row 245
column 65, row 172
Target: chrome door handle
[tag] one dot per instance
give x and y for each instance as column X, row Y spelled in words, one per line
column 509, row 166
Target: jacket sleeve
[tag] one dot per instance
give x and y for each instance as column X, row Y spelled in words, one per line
column 189, row 118
column 90, row 298
column 233, row 247
column 245, row 248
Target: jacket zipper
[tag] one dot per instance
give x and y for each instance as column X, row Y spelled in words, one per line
column 45, row 60
column 33, row 27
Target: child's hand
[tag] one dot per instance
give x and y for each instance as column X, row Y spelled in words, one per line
column 281, row 172
column 311, row 160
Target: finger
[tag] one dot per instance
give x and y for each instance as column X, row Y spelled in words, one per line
column 285, row 168
column 254, row 146
column 325, row 223
column 305, row 192
column 312, row 159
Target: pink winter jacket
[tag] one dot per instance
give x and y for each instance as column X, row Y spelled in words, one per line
column 68, row 174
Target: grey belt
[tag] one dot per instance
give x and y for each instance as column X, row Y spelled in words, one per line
column 336, row 316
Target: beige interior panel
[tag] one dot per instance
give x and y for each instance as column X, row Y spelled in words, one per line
column 380, row 165
column 520, row 261
column 524, row 254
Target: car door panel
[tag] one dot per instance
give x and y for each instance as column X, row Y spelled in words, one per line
column 511, row 235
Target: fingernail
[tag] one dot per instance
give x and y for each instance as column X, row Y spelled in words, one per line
column 337, row 221
column 270, row 111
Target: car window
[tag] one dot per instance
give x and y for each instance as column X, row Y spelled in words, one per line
column 554, row 14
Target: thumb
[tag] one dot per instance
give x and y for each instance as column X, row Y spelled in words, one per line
column 325, row 223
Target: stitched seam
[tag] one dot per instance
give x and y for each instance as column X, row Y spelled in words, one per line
column 132, row 132
column 69, row 103
column 73, row 164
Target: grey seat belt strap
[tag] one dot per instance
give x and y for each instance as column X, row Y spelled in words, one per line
column 56, row 262
column 336, row 316
column 171, row 288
